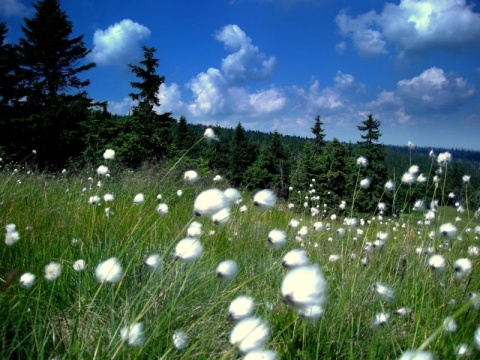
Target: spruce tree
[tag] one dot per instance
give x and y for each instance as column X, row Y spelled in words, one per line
column 367, row 199
column 319, row 133
column 147, row 135
column 51, row 61
column 242, row 154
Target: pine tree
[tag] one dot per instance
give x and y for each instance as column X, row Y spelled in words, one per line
column 51, row 62
column 242, row 154
column 183, row 138
column 319, row 133
column 368, row 199
column 147, row 135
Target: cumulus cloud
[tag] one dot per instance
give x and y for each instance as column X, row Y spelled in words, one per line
column 433, row 90
column 322, row 99
column 344, row 80
column 170, row 99
column 121, row 107
column 12, row 8
column 119, row 43
column 413, row 27
column 245, row 63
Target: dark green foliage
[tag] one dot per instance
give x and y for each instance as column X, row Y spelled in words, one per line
column 242, row 154
column 319, row 133
column 367, row 199
column 183, row 138
column 50, row 64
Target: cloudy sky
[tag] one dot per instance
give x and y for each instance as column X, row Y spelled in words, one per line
column 277, row 64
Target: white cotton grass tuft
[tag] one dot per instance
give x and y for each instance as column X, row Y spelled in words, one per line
column 180, row 339
column 416, row 355
column 194, row 229
column 191, row 176
column 249, row 334
column 476, row 338
column 444, row 158
column 209, row 134
column 52, row 271
column 233, row 196
column 241, row 308
column 462, row 267
column 221, row 217
column 162, row 209
column 318, row 226
column 79, row 265
column 109, row 154
column 11, row 234
column 261, row 354
column 448, row 230
column 139, row 199
column 365, row 183
column 362, row 161
column 437, row 262
column 449, row 324
column 303, row 287
column 384, row 292
column 108, row 198
column 133, row 335
column 94, row 200
column 153, row 262
column 109, row 271
column 102, row 170
column 380, row 319
column 188, row 250
column 209, row 202
column 313, row 312
column 295, row 258
column 264, row 199
column 277, row 238
column 227, row 269
column 390, row 185
column 27, row 280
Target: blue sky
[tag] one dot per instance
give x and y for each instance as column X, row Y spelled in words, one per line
column 276, row 64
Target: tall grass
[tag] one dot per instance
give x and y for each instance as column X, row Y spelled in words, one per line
column 74, row 316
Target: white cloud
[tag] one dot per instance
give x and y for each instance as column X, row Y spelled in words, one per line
column 433, row 90
column 341, row 47
column 170, row 99
column 325, row 99
column 267, row 101
column 413, row 26
column 121, row 107
column 119, row 43
column 245, row 63
column 12, row 8
column 208, row 90
column 344, row 80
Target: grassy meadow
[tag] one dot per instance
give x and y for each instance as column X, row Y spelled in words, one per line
column 383, row 296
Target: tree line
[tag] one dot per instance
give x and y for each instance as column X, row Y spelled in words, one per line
column 44, row 107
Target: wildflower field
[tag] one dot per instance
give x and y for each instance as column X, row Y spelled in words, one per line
column 167, row 265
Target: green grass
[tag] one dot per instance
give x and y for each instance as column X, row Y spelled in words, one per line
column 76, row 317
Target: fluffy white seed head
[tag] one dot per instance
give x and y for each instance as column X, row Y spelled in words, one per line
column 188, row 250
column 318, row 226
column 362, row 161
column 79, row 265
column 365, row 183
column 437, row 262
column 133, row 335
column 108, row 197
column 277, row 238
column 381, row 319
column 462, row 267
column 416, row 355
column 153, row 262
column 227, row 269
column 52, row 271
column 384, row 292
column 233, row 196
column 240, row 308
column 264, row 199
column 162, row 209
column 295, row 258
column 209, row 202
column 249, row 334
column 191, row 176
column 448, row 230
column 109, row 154
column 209, row 134
column 194, row 229
column 27, row 280
column 221, row 217
column 180, row 339
column 139, row 199
column 109, row 271
column 102, row 170
column 261, row 354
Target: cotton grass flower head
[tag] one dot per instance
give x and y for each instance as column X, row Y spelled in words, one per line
column 209, row 202
column 462, row 267
column 109, row 271
column 466, row 179
column 188, row 250
column 11, row 234
column 295, row 258
column 421, row 179
column 313, row 312
column 390, row 185
column 448, row 230
column 362, row 161
column 27, row 280
column 450, row 325
column 419, row 205
column 209, row 134
column 241, row 308
column 191, row 176
column 414, row 169
column 108, row 198
column 416, row 355
column 139, row 199
column 133, row 335
column 476, row 338
column 180, row 339
column 408, row 178
column 217, row 178
column 249, row 334
column 380, row 319
column 264, row 199
column 437, row 262
column 227, row 269
column 194, row 229
column 318, row 226
column 293, row 223
column 109, row 154
column 52, row 271
column 162, row 209
column 365, row 183
column 79, row 265
column 304, row 286
column 102, row 170
column 277, row 238
column 94, row 200
column 444, row 158
column 261, row 354
column 385, row 293
column 153, row 262
column 221, row 217
column 233, row 196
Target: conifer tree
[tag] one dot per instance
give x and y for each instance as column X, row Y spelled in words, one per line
column 319, row 133
column 51, row 61
column 183, row 138
column 147, row 135
column 368, row 199
column 241, row 155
